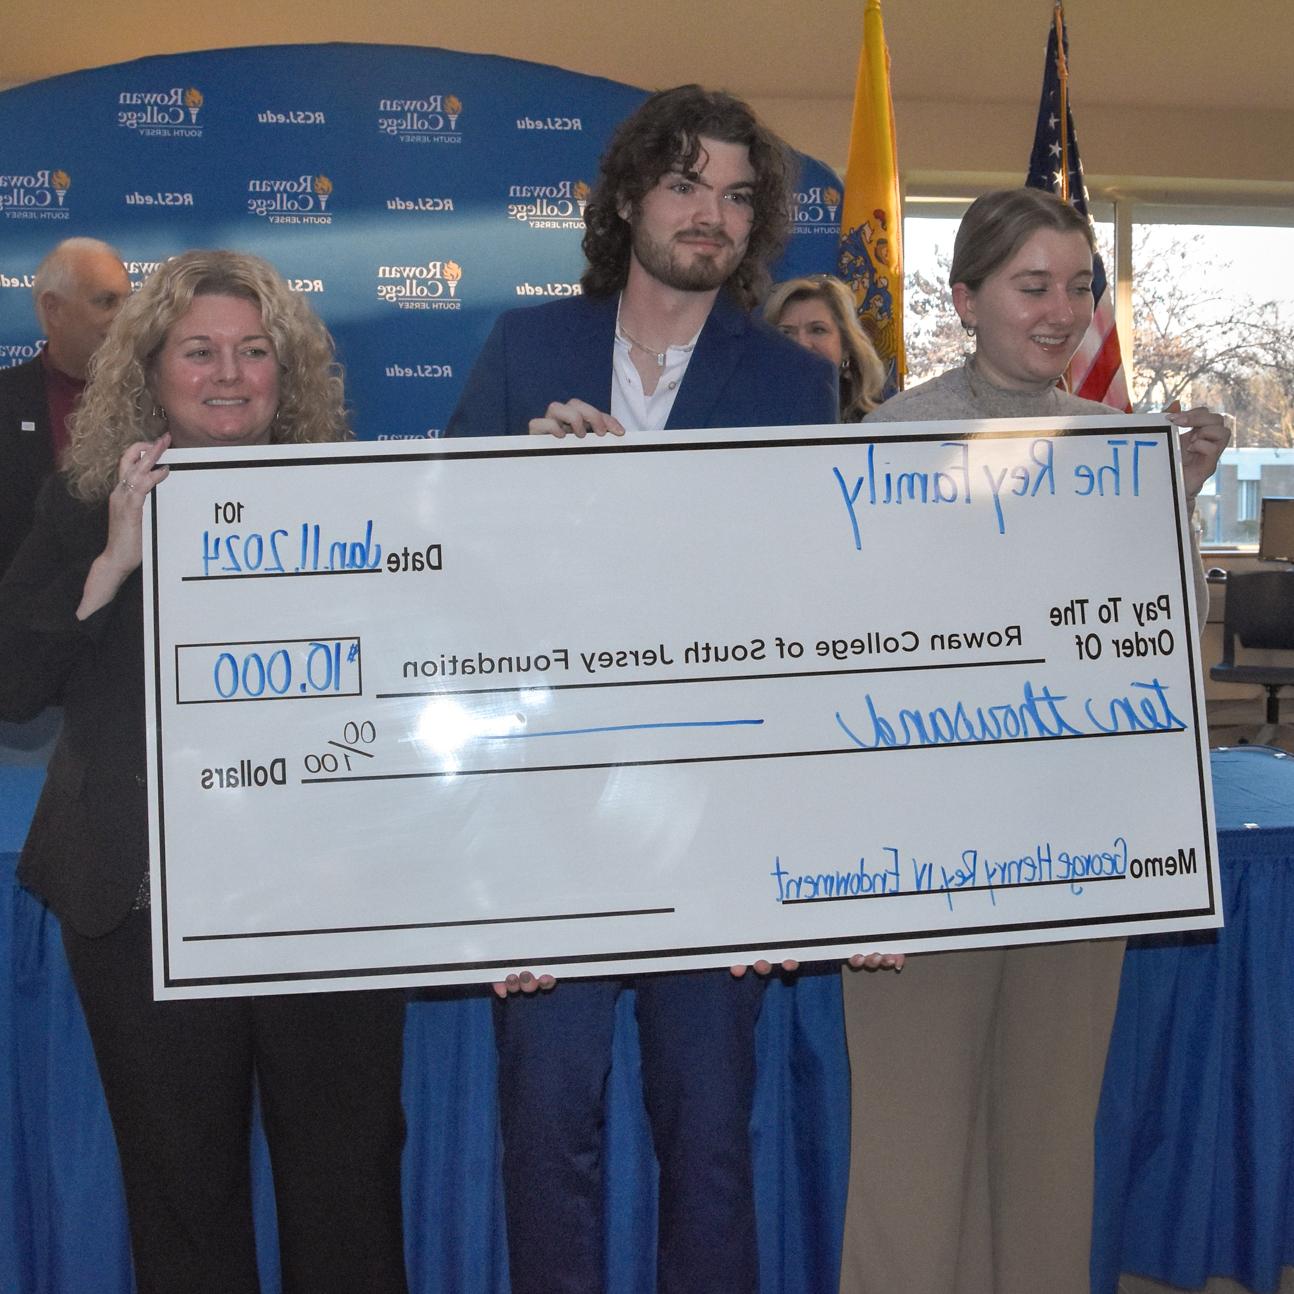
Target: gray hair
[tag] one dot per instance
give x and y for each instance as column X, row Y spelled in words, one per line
column 55, row 273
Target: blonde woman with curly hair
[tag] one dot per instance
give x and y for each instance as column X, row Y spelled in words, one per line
column 213, row 351
column 119, row 406
column 818, row 313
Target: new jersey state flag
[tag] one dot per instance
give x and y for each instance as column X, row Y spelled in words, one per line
column 871, row 223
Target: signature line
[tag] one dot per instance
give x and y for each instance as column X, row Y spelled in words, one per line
column 625, row 727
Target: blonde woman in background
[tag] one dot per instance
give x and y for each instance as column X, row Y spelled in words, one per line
column 818, row 313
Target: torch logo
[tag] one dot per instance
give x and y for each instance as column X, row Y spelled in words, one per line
column 323, row 190
column 60, row 182
column 452, row 272
column 193, row 101
column 453, row 106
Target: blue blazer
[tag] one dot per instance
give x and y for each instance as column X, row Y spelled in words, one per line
column 742, row 372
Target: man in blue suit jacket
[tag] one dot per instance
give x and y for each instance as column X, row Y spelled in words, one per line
column 742, row 373
column 691, row 205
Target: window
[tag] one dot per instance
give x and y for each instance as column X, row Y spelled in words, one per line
column 1247, row 501
column 1213, row 323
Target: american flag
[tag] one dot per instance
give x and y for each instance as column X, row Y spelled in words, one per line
column 1096, row 371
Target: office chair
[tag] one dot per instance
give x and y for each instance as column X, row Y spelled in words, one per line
column 1260, row 613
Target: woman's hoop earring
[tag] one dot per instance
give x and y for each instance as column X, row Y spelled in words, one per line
column 970, row 329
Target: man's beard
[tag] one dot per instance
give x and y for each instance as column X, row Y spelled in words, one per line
column 692, row 272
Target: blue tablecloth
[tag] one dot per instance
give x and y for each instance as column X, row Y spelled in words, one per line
column 1195, row 1136
column 62, row 1224
column 1195, row 1143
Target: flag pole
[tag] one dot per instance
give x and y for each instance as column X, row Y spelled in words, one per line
column 1062, row 75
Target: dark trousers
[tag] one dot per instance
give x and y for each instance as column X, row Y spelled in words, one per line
column 697, row 1035
column 179, row 1076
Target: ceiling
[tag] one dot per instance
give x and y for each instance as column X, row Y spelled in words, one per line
column 1132, row 53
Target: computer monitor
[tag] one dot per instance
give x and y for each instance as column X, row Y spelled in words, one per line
column 1276, row 531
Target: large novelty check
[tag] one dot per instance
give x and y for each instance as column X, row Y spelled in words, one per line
column 429, row 714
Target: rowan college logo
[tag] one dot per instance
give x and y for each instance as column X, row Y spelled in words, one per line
column 37, row 195
column 425, row 119
column 168, row 113
column 431, row 285
column 295, row 200
column 817, row 209
column 549, row 206
column 16, row 352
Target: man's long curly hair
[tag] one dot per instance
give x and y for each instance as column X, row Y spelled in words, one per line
column 665, row 135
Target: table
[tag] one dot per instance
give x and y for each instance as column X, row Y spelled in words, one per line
column 1195, row 1134
column 62, row 1220
column 1195, row 1140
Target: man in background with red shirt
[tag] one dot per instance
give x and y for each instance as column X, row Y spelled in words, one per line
column 78, row 289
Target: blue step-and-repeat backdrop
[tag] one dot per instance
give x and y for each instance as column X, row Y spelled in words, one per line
column 410, row 193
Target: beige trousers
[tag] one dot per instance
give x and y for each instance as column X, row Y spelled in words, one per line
column 975, row 1079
